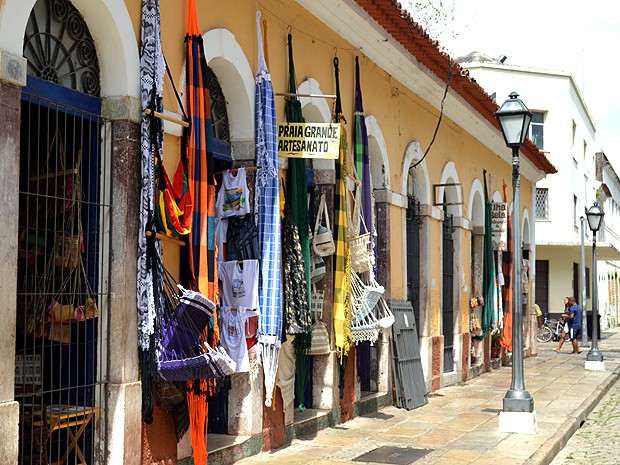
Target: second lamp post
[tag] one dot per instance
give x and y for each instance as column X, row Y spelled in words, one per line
column 594, row 360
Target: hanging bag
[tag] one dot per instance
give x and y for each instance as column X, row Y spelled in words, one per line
column 317, row 268
column 59, row 184
column 322, row 240
column 319, row 344
column 362, row 256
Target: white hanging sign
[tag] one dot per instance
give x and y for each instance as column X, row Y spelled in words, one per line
column 499, row 225
column 309, row 140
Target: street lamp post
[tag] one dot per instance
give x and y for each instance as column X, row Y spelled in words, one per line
column 518, row 413
column 594, row 360
column 584, row 324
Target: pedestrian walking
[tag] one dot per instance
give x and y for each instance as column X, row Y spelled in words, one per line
column 572, row 325
column 539, row 315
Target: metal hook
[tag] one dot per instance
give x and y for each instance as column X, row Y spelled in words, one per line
column 289, row 29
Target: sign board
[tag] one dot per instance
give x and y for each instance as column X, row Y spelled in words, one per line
column 499, row 225
column 309, row 140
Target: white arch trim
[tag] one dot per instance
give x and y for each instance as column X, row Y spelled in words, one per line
column 319, row 109
column 413, row 153
column 525, row 226
column 311, row 86
column 449, row 174
column 476, row 210
column 225, row 56
column 374, row 131
column 111, row 28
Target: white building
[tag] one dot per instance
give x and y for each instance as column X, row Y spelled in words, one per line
column 608, row 271
column 563, row 129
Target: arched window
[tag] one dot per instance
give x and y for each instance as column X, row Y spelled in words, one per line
column 219, row 120
column 59, row 47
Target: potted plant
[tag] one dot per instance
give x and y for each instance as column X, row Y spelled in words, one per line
column 496, row 347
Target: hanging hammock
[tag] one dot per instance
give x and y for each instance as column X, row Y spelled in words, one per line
column 267, row 191
column 297, row 218
column 151, row 141
column 173, row 212
column 181, row 353
column 341, row 312
column 364, row 298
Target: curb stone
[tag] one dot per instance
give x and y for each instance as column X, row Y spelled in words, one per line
column 547, row 452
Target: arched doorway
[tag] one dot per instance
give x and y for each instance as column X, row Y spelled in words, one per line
column 449, row 197
column 63, row 268
column 414, row 220
column 447, row 288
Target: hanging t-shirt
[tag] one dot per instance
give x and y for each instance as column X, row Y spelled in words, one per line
column 232, row 323
column 232, row 198
column 239, row 283
column 221, row 231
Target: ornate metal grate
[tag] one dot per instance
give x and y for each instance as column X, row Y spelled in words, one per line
column 542, row 203
column 219, row 114
column 59, row 47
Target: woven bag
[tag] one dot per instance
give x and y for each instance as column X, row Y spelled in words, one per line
column 361, row 254
column 317, row 297
column 317, row 268
column 319, row 345
column 322, row 241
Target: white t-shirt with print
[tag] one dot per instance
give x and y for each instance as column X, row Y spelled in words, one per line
column 239, row 283
column 232, row 335
column 233, row 197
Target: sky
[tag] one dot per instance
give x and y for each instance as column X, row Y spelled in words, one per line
column 579, row 37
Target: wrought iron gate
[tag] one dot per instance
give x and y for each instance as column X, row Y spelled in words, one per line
column 414, row 221
column 63, row 267
column 406, row 363
column 447, row 293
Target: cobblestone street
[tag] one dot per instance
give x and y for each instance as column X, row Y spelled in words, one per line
column 598, row 440
column 459, row 424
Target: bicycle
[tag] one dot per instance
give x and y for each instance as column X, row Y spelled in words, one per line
column 548, row 332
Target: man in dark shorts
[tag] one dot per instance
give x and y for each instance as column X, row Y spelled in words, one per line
column 573, row 319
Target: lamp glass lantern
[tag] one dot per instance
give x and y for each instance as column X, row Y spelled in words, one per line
column 514, row 118
column 595, row 216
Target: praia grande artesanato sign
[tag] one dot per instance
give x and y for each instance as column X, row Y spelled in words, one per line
column 499, row 225
column 309, row 140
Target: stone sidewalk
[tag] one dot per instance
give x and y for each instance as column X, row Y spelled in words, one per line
column 459, row 424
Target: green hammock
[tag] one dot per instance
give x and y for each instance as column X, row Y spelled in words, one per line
column 297, row 190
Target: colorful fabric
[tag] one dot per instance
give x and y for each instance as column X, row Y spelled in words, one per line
column 173, row 212
column 508, row 291
column 296, row 309
column 151, row 141
column 200, row 161
column 362, row 159
column 202, row 272
column 488, row 277
column 297, row 179
column 149, row 287
column 267, row 203
column 297, row 284
column 198, row 415
column 342, row 260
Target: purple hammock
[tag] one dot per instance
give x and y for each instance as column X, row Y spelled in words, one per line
column 181, row 356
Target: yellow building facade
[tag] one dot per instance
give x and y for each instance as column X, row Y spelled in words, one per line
column 432, row 134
